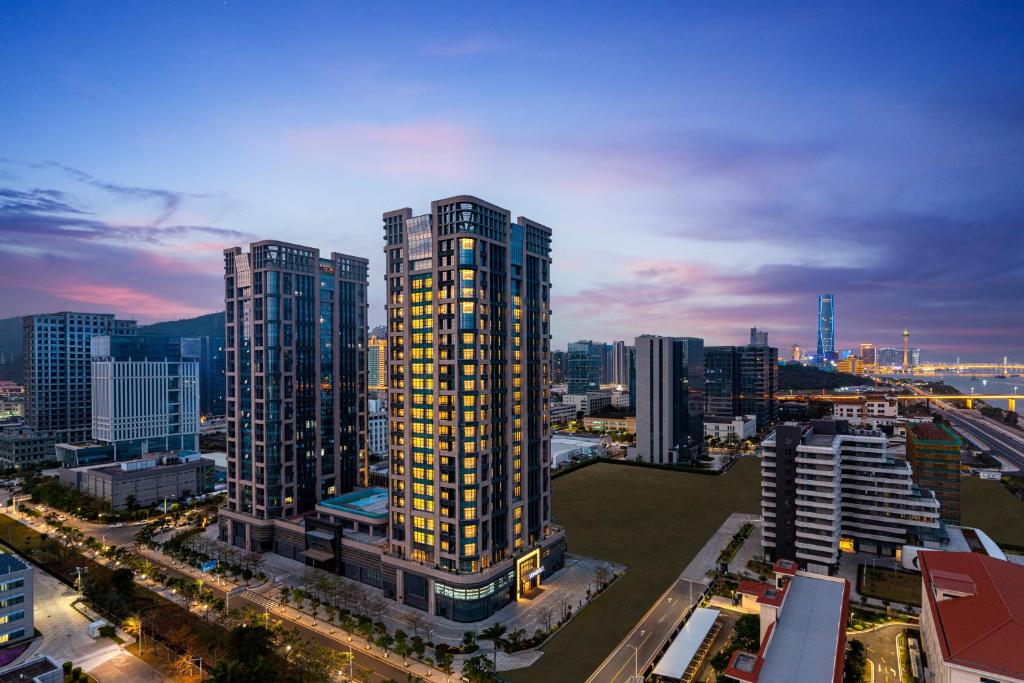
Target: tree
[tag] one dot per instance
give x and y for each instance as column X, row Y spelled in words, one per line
column 496, row 634
column 133, row 626
column 747, row 632
column 856, row 662
column 478, row 669
column 444, row 662
column 123, row 581
column 469, row 638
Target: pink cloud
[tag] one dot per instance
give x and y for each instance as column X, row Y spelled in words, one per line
column 411, row 148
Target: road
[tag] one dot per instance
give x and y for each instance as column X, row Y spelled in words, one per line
column 377, row 669
column 649, row 635
column 1000, row 442
column 881, row 651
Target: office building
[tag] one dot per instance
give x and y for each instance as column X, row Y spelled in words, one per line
column 795, row 353
column 972, row 618
column 560, row 411
column 469, row 314
column 377, row 429
column 867, row 355
column 669, row 399
column 376, row 363
column 22, row 446
column 212, row 378
column 742, row 380
column 915, row 357
column 758, row 337
column 827, row 488
column 610, row 420
column 825, row 351
column 171, row 476
column 586, row 363
column 16, row 600
column 58, row 370
column 933, row 451
column 145, row 393
column 730, row 428
column 296, row 384
column 802, row 618
column 590, row 402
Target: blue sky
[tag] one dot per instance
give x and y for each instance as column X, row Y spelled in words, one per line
column 706, row 167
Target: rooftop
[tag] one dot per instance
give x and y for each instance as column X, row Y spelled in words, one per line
column 29, row 670
column 370, row 502
column 10, row 563
column 932, row 434
column 684, row 647
column 982, row 627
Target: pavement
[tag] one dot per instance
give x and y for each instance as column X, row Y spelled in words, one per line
column 65, row 637
column 645, row 641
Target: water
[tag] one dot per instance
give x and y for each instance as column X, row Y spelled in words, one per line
column 984, row 385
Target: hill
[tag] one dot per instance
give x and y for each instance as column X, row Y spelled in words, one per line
column 800, row 377
column 209, row 325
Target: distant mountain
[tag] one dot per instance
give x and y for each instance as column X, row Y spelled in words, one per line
column 209, row 325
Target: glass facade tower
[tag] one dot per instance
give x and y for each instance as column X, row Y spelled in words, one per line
column 826, row 349
column 295, row 343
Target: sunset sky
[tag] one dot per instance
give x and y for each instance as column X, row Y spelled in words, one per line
column 705, row 166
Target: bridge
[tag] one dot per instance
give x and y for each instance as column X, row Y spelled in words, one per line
column 1011, row 399
column 981, row 369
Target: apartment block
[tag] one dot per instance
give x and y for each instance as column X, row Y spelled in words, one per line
column 827, row 488
column 669, row 399
column 16, row 600
column 934, row 454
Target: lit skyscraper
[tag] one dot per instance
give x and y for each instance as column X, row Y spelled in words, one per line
column 296, row 384
column 469, row 323
column 826, row 350
column 377, row 369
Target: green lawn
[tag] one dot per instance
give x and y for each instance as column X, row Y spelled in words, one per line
column 990, row 507
column 654, row 522
column 896, row 586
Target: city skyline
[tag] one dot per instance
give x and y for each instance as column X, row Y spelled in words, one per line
column 885, row 177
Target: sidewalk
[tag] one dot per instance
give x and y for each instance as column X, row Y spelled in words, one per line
column 707, row 559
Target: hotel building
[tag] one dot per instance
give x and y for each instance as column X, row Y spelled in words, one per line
column 295, row 345
column 468, row 306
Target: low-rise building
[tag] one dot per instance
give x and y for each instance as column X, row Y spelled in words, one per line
column 590, row 402
column 22, row 446
column 731, row 428
column 16, row 600
column 872, row 411
column 620, row 399
column 39, row 669
column 561, row 412
column 611, row 421
column 161, row 476
column 972, row 618
column 803, row 628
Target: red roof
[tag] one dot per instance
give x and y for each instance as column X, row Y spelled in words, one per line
column 983, row 629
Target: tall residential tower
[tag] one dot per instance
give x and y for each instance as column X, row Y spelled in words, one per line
column 669, row 399
column 295, row 343
column 468, row 302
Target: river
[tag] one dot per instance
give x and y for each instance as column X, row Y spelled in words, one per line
column 984, row 385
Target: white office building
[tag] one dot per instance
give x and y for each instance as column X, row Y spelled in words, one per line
column 731, row 428
column 827, row 488
column 16, row 622
column 871, row 412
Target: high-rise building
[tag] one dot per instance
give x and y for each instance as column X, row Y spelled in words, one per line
column 915, row 357
column 620, row 363
column 795, row 353
column 758, row 337
column 58, row 370
column 933, row 451
column 826, row 348
column 212, row 378
column 377, row 369
column 888, row 357
column 741, row 380
column 669, row 398
column 867, row 355
column 559, row 367
column 470, row 495
column 906, row 348
column 296, row 384
column 827, row 488
column 145, row 393
column 585, row 366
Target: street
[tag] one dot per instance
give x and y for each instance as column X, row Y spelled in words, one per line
column 1000, row 442
column 881, row 652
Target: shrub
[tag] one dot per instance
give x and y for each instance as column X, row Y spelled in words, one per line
column 67, row 668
